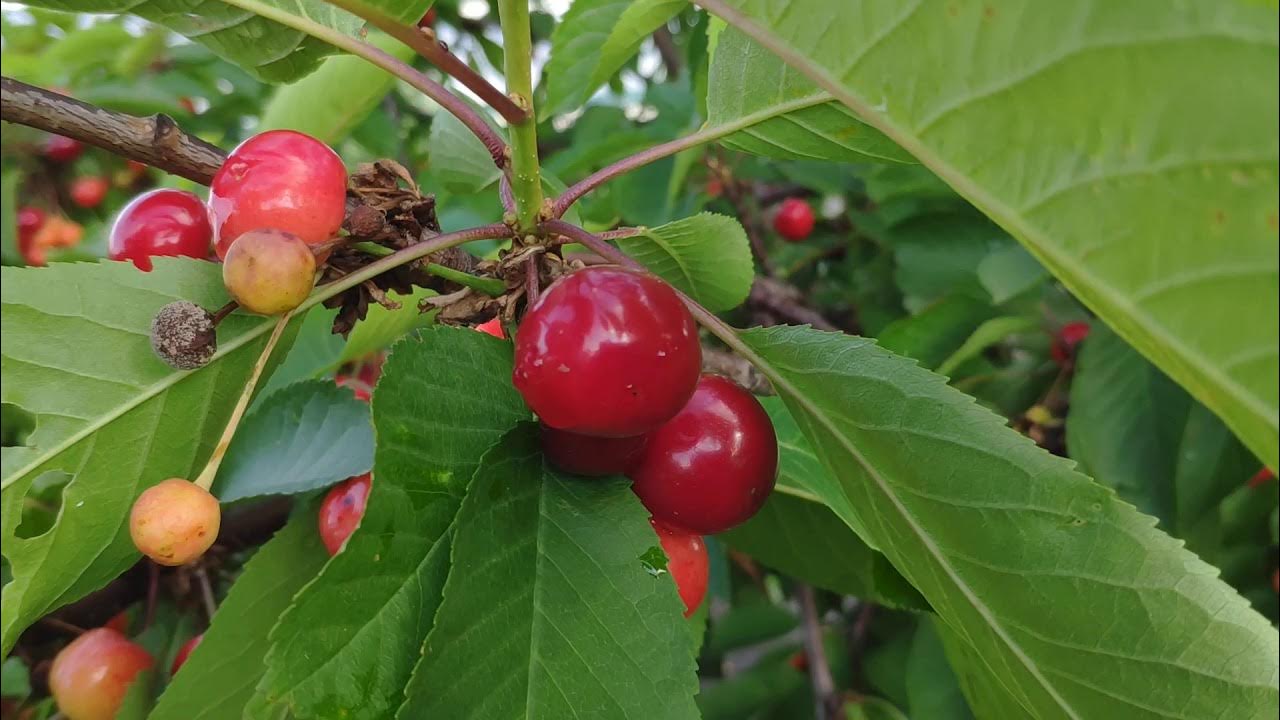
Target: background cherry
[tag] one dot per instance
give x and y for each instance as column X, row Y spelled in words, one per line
column 183, row 653
column 588, row 455
column 279, row 179
column 62, row 149
column 160, row 223
column 794, row 220
column 714, row 464
column 607, row 352
column 1063, row 347
column 90, row 676
column 687, row 562
column 342, row 509
column 89, row 191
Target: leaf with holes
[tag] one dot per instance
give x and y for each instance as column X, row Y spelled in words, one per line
column 705, row 256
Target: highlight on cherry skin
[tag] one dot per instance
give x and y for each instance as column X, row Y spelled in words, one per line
column 687, row 561
column 174, row 522
column 278, row 179
column 342, row 509
column 269, row 271
column 607, row 352
column 162, row 222
column 91, row 675
column 712, row 466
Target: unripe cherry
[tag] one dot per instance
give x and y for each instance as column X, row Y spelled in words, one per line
column 589, row 455
column 269, row 271
column 687, row 562
column 162, row 222
column 174, row 522
column 342, row 509
column 90, row 676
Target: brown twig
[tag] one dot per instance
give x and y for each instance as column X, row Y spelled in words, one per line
column 826, row 701
column 745, row 212
column 667, row 49
column 784, row 302
column 62, row 625
column 156, row 140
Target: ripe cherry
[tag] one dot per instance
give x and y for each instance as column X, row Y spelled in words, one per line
column 607, row 352
column 30, row 220
column 342, row 509
column 278, row 179
column 494, row 328
column 356, row 386
column 427, row 20
column 269, row 271
column 713, row 465
column 160, row 223
column 589, row 455
column 174, row 522
column 89, row 192
column 1262, row 477
column 62, row 149
column 89, row 678
column 687, row 562
column 1063, row 348
column 183, row 653
column 119, row 622
column 794, row 220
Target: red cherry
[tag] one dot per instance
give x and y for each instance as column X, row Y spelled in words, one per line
column 494, row 328
column 1262, row 477
column 713, row 465
column 90, row 677
column 30, row 220
column 428, row 19
column 89, row 192
column 119, row 622
column 687, row 562
column 161, row 222
column 1063, row 347
column 607, row 352
column 794, row 220
column 588, row 455
column 183, row 652
column 356, row 385
column 62, row 149
column 279, row 179
column 187, row 104
column 799, row 661
column 342, row 509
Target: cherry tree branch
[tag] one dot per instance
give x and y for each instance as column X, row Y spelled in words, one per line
column 156, row 140
column 424, row 42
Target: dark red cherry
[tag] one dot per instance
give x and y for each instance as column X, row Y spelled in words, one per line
column 279, row 179
column 687, row 562
column 794, row 220
column 62, row 149
column 590, row 455
column 160, row 223
column 1063, row 348
column 427, row 20
column 342, row 509
column 713, row 465
column 607, row 352
column 89, row 192
column 183, row 653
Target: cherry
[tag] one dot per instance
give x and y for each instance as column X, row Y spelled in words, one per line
column 174, row 522
column 89, row 192
column 342, row 509
column 713, row 465
column 269, row 271
column 119, row 622
column 1262, row 477
column 356, row 385
column 428, row 20
column 494, row 328
column 794, row 220
column 183, row 653
column 1063, row 348
column 90, row 676
column 687, row 562
column 588, row 455
column 54, row 232
column 30, row 220
column 607, row 352
column 62, row 149
column 160, row 223
column 278, row 179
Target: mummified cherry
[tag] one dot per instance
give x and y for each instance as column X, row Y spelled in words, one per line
column 174, row 522
column 342, row 509
column 278, row 179
column 89, row 192
column 63, row 149
column 184, row 652
column 713, row 465
column 607, row 352
column 687, row 562
column 89, row 678
column 794, row 220
column 589, row 455
column 184, row 335
column 269, row 271
column 160, row 223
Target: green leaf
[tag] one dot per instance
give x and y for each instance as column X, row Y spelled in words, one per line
column 219, row 677
column 1177, row 164
column 987, row 697
column 932, row 689
column 9, row 216
column 986, row 525
column 109, row 413
column 316, row 351
column 938, row 331
column 987, row 334
column 459, row 160
column 791, row 117
column 329, row 103
column 797, row 534
column 382, row 326
column 347, row 646
column 550, row 611
column 268, row 50
column 593, row 41
column 15, row 680
column 1009, row 271
column 705, row 256
column 307, row 436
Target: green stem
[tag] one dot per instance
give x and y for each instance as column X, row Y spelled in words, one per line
column 517, row 45
column 492, row 287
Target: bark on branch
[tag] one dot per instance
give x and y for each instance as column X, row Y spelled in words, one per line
column 156, row 140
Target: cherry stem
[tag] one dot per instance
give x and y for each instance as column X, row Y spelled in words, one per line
column 222, row 312
column 206, row 593
column 424, row 42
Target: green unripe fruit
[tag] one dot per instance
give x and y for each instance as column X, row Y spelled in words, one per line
column 269, row 271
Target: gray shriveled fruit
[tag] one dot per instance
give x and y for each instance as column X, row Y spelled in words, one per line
column 184, row 335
